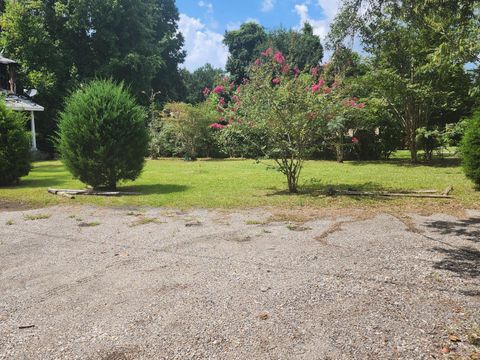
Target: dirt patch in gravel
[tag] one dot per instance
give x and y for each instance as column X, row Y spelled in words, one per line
column 256, row 284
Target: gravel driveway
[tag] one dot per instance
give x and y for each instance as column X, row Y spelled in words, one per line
column 97, row 283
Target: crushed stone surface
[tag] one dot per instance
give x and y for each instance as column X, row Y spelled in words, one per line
column 113, row 284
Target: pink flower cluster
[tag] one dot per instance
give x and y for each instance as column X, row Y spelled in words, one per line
column 267, row 52
column 217, row 126
column 355, row 140
column 206, row 91
column 219, row 89
column 279, row 58
column 276, row 81
column 353, row 103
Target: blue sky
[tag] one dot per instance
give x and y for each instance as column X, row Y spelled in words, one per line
column 204, row 22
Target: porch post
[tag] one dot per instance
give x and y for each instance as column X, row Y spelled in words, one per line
column 34, row 139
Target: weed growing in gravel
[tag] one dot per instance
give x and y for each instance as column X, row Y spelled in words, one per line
column 37, row 217
column 254, row 222
column 133, row 213
column 298, row 228
column 89, row 224
column 146, row 220
column 9, row 222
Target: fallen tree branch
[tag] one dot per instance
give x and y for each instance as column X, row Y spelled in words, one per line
column 71, row 193
column 387, row 194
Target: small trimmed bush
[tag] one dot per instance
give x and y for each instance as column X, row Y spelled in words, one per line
column 102, row 136
column 15, row 155
column 470, row 149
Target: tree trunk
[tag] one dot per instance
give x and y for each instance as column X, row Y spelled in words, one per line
column 413, row 146
column 339, row 152
column 292, row 183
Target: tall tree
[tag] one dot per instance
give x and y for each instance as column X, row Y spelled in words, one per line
column 243, row 47
column 205, row 77
column 412, row 72
column 301, row 49
column 61, row 43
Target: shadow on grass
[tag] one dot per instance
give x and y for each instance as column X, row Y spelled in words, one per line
column 320, row 189
column 154, row 189
column 46, row 182
column 438, row 163
column 462, row 260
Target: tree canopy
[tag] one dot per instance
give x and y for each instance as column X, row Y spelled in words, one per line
column 61, row 44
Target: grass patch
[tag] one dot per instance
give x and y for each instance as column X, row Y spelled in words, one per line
column 144, row 220
column 34, row 217
column 226, row 184
column 254, row 222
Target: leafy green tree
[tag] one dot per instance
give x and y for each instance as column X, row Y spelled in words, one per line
column 198, row 81
column 243, row 47
column 191, row 126
column 61, row 44
column 302, row 49
column 102, row 137
column 15, row 146
column 285, row 125
column 470, row 149
column 407, row 73
column 453, row 25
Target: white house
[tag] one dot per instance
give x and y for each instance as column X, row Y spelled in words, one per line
column 8, row 89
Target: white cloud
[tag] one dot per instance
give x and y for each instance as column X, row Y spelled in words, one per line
column 202, row 45
column 320, row 26
column 268, row 5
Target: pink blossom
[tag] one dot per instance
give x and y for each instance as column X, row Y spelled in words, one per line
column 361, row 106
column 219, row 89
column 355, row 140
column 245, row 81
column 222, row 102
column 321, row 82
column 279, row 58
column 296, row 71
column 239, row 89
column 258, row 62
column 314, row 71
column 217, row 126
column 315, row 88
column 267, row 52
column 276, row 81
column 327, row 90
column 206, row 91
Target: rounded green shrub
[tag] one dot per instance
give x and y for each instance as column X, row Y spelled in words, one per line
column 15, row 155
column 102, row 137
column 470, row 149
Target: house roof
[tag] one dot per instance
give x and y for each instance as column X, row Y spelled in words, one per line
column 21, row 103
column 4, row 60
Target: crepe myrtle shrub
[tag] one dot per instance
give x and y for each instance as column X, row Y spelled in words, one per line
column 470, row 149
column 15, row 153
column 102, row 137
column 289, row 108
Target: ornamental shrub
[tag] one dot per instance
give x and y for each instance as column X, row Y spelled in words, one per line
column 15, row 155
column 470, row 149
column 102, row 136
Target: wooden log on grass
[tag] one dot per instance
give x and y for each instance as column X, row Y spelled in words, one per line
column 72, row 192
column 387, row 194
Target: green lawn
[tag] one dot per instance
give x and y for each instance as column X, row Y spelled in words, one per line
column 243, row 183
